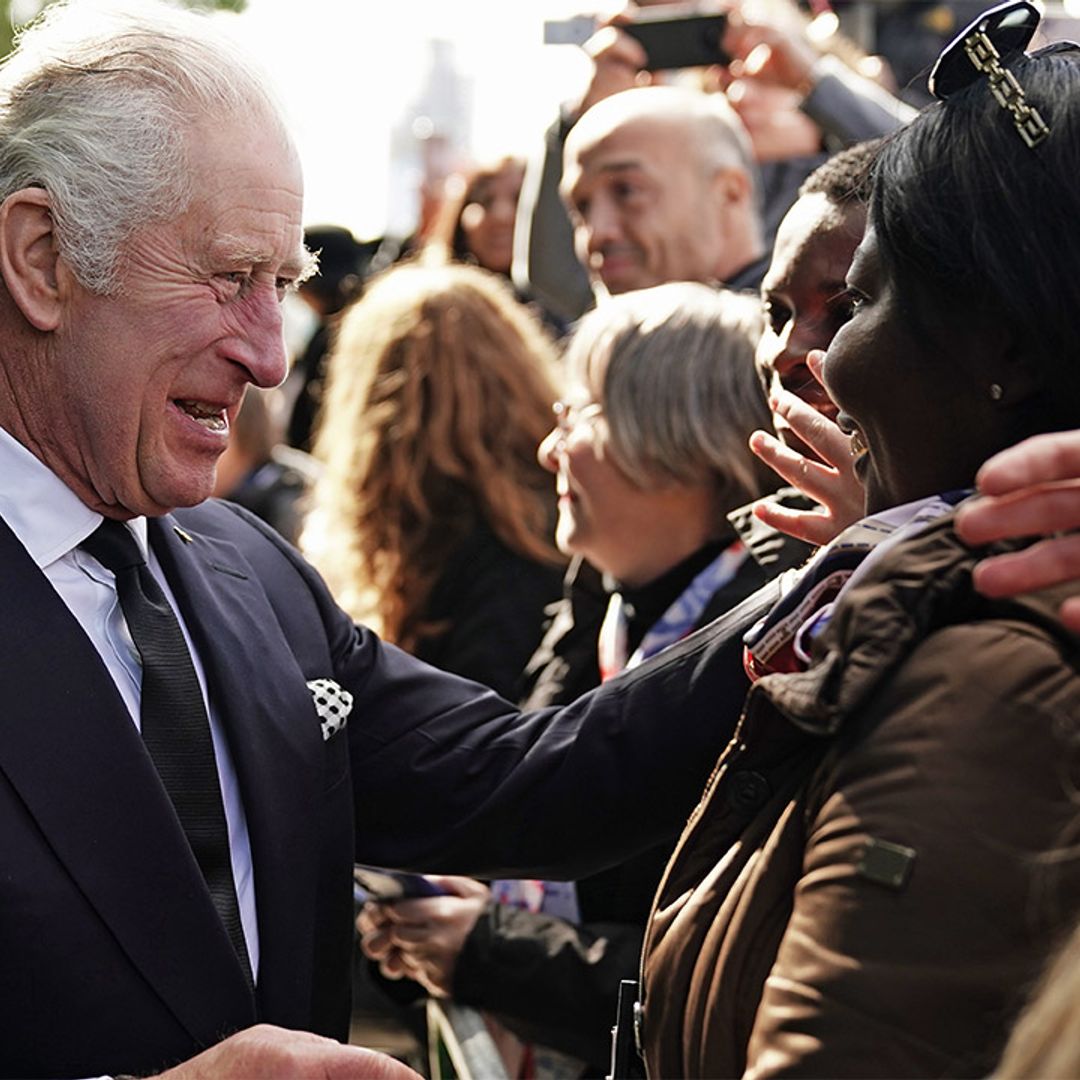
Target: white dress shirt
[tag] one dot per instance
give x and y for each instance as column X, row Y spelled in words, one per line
column 50, row 521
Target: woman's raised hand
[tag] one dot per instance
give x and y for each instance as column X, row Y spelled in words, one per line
column 830, row 482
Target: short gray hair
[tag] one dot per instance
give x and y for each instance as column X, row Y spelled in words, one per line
column 673, row 369
column 95, row 106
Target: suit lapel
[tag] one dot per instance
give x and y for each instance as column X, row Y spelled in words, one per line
column 71, row 751
column 259, row 692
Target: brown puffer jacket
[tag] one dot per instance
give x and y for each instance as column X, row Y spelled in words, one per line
column 868, row 888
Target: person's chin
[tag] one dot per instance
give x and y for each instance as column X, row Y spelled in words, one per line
column 498, row 260
column 624, row 275
column 183, row 483
column 623, row 285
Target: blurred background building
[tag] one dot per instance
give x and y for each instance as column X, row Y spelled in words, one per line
column 388, row 96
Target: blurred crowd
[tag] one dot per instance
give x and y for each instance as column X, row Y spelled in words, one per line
column 588, row 411
column 636, row 631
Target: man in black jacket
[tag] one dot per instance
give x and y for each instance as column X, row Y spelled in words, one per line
column 197, row 742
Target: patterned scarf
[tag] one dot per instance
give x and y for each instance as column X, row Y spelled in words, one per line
column 781, row 642
column 679, row 619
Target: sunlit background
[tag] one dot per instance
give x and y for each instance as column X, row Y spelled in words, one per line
column 383, row 93
column 380, row 91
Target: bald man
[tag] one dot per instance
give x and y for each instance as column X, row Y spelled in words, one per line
column 661, row 186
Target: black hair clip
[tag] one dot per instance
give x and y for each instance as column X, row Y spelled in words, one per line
column 992, row 41
column 1006, row 89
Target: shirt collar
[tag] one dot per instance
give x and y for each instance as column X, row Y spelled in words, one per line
column 46, row 516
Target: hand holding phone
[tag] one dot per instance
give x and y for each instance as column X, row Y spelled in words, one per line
column 421, row 937
column 680, row 40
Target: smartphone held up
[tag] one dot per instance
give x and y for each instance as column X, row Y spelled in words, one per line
column 672, row 35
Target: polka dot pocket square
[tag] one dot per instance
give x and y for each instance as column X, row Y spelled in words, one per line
column 332, row 703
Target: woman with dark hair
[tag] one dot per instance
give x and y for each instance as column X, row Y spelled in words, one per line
column 476, row 224
column 872, row 880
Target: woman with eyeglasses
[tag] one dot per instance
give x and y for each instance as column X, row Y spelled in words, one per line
column 650, row 455
column 880, row 866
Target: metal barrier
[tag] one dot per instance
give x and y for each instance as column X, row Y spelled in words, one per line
column 458, row 1036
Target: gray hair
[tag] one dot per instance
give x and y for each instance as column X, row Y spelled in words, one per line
column 673, row 370
column 95, row 106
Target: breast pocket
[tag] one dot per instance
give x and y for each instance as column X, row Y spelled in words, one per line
column 333, row 705
column 336, row 769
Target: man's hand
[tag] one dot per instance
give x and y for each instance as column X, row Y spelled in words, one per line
column 772, row 53
column 618, row 63
column 1031, row 489
column 831, row 482
column 273, row 1053
column 421, row 939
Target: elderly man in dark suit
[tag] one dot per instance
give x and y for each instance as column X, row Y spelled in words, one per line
column 197, row 743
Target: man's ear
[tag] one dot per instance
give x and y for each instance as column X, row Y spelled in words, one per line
column 29, row 256
column 732, row 185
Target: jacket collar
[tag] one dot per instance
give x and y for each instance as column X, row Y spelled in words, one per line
column 923, row 584
column 258, row 691
column 72, row 753
column 768, row 547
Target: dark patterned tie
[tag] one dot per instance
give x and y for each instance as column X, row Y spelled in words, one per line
column 175, row 727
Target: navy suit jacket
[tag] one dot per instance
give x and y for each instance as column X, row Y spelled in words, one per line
column 112, row 958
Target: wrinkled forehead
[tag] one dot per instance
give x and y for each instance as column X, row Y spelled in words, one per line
column 654, row 143
column 248, row 191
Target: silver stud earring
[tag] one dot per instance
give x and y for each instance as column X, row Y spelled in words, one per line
column 997, row 392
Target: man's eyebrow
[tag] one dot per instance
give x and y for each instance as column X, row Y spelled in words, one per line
column 303, row 265
column 632, row 165
column 234, row 251
column 608, row 168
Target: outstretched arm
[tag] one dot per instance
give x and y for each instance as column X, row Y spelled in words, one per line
column 841, row 101
column 1031, row 489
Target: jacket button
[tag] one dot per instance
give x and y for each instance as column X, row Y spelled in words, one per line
column 749, row 791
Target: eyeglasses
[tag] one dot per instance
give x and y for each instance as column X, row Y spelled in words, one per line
column 996, row 38
column 569, row 415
